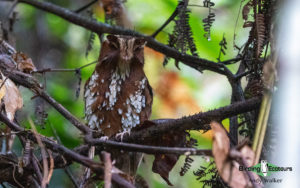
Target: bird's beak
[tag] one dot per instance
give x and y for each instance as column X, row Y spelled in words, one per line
column 126, row 55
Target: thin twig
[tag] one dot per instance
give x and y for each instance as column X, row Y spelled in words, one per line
column 82, row 127
column 146, row 148
column 194, row 5
column 85, row 6
column 107, row 169
column 72, row 178
column 51, row 165
column 234, row 154
column 2, row 84
column 231, row 61
column 37, row 169
column 16, row 181
column 14, row 4
column 239, row 76
column 171, row 18
column 236, row 22
column 63, row 70
column 66, row 169
column 44, row 155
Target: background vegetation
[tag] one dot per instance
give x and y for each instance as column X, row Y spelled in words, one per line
column 55, row 43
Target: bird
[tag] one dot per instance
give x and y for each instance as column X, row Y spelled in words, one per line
column 118, row 96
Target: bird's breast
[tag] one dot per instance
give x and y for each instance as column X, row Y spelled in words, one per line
column 115, row 104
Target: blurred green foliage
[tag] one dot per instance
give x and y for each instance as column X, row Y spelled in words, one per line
column 53, row 42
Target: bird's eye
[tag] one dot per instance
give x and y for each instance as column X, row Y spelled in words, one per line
column 137, row 48
column 113, row 41
column 113, row 45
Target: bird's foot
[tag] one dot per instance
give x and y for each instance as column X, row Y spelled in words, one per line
column 104, row 138
column 121, row 135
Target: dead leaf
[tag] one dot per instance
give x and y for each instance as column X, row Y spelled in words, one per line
column 248, row 24
column 228, row 168
column 115, row 10
column 246, row 10
column 2, row 90
column 221, row 143
column 12, row 99
column 24, row 63
column 162, row 163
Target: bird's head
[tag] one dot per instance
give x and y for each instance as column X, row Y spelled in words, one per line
column 128, row 48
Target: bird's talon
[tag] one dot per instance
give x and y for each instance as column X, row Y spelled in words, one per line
column 121, row 135
column 104, row 138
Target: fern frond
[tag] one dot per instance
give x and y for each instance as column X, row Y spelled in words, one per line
column 182, row 36
column 90, row 44
column 223, row 45
column 208, row 21
column 260, row 33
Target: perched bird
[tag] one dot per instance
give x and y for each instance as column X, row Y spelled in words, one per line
column 118, row 96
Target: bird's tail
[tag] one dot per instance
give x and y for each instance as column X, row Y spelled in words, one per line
column 129, row 162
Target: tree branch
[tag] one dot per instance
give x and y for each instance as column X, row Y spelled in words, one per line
column 64, row 70
column 147, row 149
column 98, row 27
column 85, row 6
column 194, row 122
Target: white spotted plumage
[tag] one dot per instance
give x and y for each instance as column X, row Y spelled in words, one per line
column 115, row 96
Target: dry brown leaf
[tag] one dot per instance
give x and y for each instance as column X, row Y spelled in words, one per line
column 24, row 63
column 115, row 10
column 2, row 90
column 12, row 98
column 248, row 24
column 221, row 144
column 228, row 168
column 164, row 163
column 246, row 10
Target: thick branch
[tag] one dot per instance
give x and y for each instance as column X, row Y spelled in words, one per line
column 194, row 122
column 98, row 27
